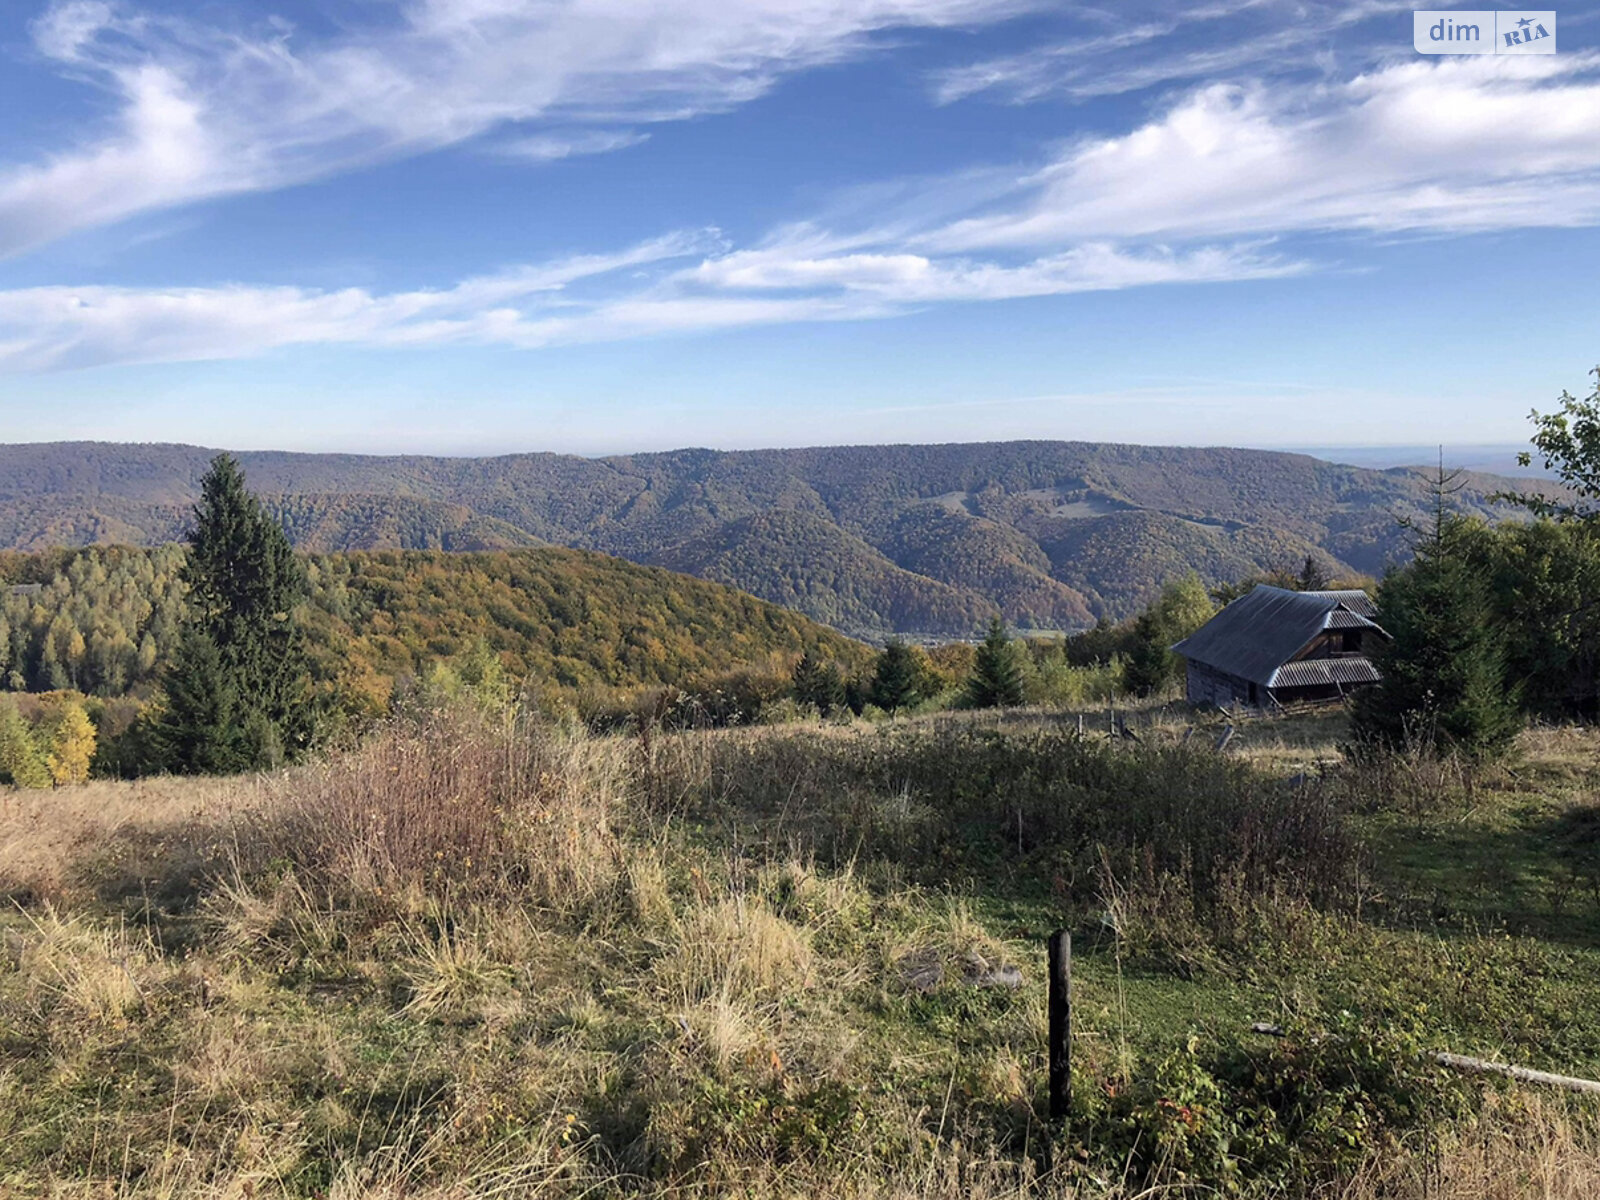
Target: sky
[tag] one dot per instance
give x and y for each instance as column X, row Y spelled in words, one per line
column 601, row 226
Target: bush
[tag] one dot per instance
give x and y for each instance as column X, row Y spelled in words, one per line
column 1053, row 681
column 454, row 805
column 1303, row 1110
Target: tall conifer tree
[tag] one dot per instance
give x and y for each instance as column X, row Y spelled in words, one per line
column 236, row 691
column 1443, row 671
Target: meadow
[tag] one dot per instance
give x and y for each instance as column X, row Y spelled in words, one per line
column 489, row 956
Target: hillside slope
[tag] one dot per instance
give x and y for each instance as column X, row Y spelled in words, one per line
column 808, row 563
column 990, row 558
column 1045, row 531
column 321, row 522
column 106, row 619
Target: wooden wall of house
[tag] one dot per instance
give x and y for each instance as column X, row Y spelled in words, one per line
column 1207, row 685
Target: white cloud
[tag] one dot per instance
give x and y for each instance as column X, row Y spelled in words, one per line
column 1206, row 190
column 906, row 279
column 50, row 328
column 160, row 155
column 47, row 328
column 206, row 111
column 552, row 147
column 1453, row 145
column 1199, row 42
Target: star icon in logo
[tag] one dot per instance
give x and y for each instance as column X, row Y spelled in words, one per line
column 1525, row 22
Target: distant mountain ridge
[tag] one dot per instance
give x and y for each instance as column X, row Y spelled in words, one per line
column 928, row 539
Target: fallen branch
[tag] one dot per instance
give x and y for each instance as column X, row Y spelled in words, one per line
column 1526, row 1074
column 1462, row 1062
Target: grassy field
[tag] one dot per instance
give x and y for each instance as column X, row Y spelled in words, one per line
column 474, row 960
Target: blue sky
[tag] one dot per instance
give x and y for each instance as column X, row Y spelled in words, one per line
column 470, row 226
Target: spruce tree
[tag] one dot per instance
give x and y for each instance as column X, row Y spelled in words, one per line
column 1149, row 664
column 1443, row 681
column 818, row 684
column 201, row 729
column 805, row 680
column 897, row 681
column 1312, row 577
column 830, row 690
column 236, row 692
column 996, row 679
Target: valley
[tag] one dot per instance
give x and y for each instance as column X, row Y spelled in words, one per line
column 873, row 540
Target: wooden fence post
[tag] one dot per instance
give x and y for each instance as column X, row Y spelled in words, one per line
column 1060, row 1006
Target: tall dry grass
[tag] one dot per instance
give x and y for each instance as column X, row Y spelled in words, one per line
column 457, row 804
column 61, row 843
column 1524, row 1147
column 481, row 959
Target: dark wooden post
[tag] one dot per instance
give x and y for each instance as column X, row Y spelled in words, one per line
column 1060, row 1024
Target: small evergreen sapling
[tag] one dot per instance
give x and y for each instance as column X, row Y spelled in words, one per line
column 818, row 684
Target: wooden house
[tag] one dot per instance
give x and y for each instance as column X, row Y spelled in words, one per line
column 1274, row 645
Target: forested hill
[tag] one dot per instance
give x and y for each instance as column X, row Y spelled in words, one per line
column 926, row 539
column 103, row 620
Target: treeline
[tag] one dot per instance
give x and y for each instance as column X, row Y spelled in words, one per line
column 95, row 621
column 1490, row 626
column 234, row 653
column 102, row 621
column 579, row 634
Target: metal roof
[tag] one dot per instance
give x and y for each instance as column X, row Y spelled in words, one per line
column 1351, row 600
column 1314, row 672
column 1340, row 619
column 1265, row 628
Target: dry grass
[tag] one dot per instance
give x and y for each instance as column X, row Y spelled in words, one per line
column 469, row 961
column 1525, row 1147
column 84, row 974
column 45, row 835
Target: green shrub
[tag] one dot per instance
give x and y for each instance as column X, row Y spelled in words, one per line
column 1285, row 1114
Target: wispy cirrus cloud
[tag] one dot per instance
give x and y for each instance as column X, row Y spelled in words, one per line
column 551, row 147
column 205, row 111
column 902, row 278
column 1211, row 188
column 53, row 328
column 1165, row 47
